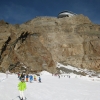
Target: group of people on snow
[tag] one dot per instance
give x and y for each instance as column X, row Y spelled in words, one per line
column 28, row 77
column 22, row 84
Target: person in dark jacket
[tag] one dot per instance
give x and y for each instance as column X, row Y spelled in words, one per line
column 22, row 76
column 39, row 79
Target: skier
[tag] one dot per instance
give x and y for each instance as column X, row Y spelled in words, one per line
column 18, row 75
column 22, row 88
column 22, row 76
column 34, row 77
column 59, row 76
column 40, row 79
column 27, row 76
column 31, row 78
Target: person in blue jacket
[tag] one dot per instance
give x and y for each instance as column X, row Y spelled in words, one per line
column 27, row 76
column 31, row 78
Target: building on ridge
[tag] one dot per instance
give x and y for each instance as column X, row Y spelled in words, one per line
column 66, row 14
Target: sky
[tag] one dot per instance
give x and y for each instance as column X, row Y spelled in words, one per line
column 75, row 87
column 51, row 87
column 21, row 11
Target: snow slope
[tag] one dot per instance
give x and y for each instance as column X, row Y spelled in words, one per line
column 74, row 69
column 52, row 88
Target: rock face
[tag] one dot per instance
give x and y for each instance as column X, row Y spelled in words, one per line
column 42, row 42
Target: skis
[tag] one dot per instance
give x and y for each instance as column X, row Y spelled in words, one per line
column 22, row 99
column 18, row 97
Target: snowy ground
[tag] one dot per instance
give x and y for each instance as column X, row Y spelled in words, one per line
column 52, row 88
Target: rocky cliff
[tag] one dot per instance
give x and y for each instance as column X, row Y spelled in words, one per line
column 42, row 42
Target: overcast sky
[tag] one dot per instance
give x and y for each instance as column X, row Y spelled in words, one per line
column 20, row 11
